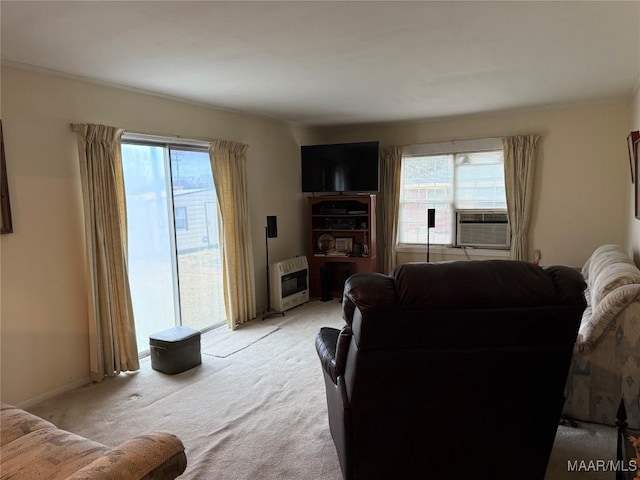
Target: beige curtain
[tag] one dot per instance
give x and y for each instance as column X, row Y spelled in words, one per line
column 112, row 340
column 387, row 207
column 228, row 163
column 520, row 153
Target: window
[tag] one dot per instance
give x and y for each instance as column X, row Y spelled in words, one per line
column 174, row 257
column 181, row 218
column 448, row 177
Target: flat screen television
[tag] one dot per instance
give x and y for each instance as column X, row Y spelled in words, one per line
column 342, row 167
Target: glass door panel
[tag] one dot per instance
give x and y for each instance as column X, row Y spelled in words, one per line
column 173, row 239
column 151, row 261
column 197, row 243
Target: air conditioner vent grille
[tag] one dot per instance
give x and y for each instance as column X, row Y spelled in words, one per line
column 482, row 229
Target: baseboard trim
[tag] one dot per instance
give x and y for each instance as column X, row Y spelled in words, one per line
column 53, row 393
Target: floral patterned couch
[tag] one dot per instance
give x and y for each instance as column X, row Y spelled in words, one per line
column 606, row 359
column 32, row 448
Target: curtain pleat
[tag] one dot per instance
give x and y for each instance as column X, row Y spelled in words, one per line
column 388, row 205
column 228, row 163
column 111, row 323
column 520, row 154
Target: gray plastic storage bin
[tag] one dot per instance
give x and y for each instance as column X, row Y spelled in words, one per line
column 175, row 350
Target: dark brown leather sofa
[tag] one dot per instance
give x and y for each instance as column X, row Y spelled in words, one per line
column 450, row 370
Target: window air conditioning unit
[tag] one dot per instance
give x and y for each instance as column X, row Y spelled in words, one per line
column 482, row 229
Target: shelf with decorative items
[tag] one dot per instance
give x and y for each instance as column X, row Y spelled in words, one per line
column 341, row 241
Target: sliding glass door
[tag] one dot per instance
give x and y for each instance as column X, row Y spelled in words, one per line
column 173, row 239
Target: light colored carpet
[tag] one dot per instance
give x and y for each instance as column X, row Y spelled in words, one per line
column 259, row 412
column 222, row 342
column 588, row 442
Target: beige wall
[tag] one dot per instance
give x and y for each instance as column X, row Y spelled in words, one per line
column 578, row 202
column 44, row 341
column 580, row 195
column 634, row 223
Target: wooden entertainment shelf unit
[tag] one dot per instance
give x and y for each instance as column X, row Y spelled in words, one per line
column 341, row 241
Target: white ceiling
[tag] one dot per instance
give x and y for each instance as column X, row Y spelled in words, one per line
column 326, row 63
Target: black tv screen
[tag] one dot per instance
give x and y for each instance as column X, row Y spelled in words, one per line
column 342, row 167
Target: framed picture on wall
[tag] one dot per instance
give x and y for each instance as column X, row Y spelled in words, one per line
column 632, row 146
column 6, row 225
column 637, row 184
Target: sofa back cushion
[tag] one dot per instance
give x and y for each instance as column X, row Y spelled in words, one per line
column 484, row 304
column 484, row 284
column 602, row 256
column 613, row 283
column 607, row 269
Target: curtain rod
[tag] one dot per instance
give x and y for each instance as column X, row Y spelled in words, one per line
column 146, row 138
column 459, row 146
column 463, row 140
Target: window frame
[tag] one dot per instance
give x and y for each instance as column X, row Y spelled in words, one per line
column 453, row 148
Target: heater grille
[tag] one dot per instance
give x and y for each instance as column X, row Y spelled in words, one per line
column 289, row 283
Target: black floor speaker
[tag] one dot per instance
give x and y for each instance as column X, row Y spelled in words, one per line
column 272, row 226
column 431, row 218
column 324, row 284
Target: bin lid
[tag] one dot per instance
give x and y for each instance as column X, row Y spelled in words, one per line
column 175, row 334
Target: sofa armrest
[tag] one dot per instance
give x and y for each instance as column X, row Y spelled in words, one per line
column 332, row 346
column 569, row 283
column 17, row 423
column 156, row 455
column 342, row 349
